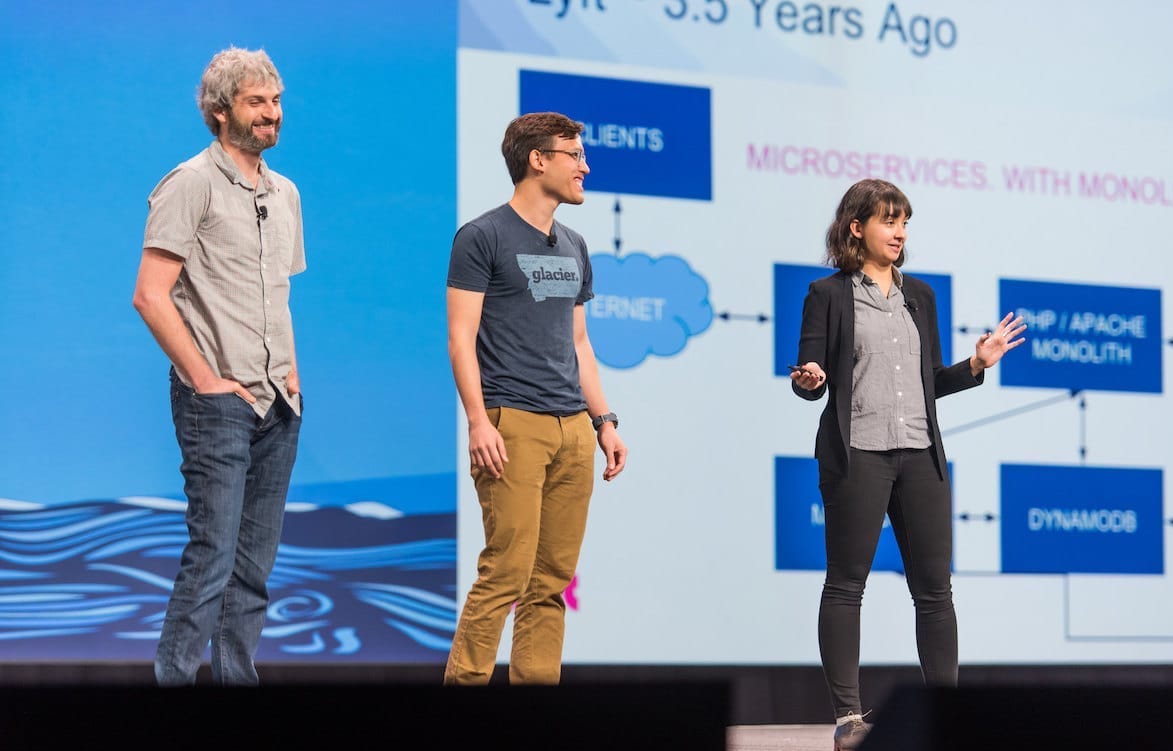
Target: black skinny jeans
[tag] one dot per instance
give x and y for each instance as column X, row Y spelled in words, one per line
column 904, row 484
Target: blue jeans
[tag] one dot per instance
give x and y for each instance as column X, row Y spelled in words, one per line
column 236, row 469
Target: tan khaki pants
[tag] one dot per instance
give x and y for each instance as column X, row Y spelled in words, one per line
column 535, row 518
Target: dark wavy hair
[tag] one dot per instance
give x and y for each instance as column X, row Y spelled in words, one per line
column 862, row 201
column 533, row 131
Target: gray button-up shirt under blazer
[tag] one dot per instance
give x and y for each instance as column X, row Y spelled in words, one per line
column 239, row 244
column 887, row 395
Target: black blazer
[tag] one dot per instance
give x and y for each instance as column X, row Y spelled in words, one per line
column 828, row 338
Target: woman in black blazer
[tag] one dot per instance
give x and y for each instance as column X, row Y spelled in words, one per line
column 869, row 336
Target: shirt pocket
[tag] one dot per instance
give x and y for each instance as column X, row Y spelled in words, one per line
column 277, row 234
column 912, row 336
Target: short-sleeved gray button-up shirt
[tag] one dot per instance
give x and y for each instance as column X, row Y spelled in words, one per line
column 239, row 244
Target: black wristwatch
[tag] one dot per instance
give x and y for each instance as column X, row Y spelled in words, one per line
column 609, row 417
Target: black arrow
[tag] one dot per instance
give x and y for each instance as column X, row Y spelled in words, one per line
column 965, row 516
column 963, row 329
column 618, row 235
column 727, row 316
column 1082, row 429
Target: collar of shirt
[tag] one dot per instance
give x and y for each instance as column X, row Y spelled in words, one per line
column 858, row 277
column 228, row 167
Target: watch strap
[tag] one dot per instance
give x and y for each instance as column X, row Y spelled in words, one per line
column 597, row 422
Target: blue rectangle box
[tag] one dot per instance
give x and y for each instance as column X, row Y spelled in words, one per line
column 1083, row 336
column 798, row 521
column 1102, row 520
column 642, row 138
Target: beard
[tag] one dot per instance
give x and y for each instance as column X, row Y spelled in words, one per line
column 240, row 135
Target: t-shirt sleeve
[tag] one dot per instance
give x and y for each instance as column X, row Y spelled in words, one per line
column 470, row 266
column 587, row 290
column 175, row 209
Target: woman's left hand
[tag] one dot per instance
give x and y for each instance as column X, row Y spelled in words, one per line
column 993, row 344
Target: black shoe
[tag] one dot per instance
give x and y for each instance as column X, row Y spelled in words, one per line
column 850, row 734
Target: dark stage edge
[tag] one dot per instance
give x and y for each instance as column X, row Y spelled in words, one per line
column 689, row 717
column 1030, row 716
column 756, row 694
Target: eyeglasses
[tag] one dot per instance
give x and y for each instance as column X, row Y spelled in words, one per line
column 578, row 155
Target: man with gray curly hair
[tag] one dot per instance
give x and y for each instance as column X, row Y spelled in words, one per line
column 223, row 237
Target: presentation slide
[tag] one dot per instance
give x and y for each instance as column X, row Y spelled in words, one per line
column 720, row 136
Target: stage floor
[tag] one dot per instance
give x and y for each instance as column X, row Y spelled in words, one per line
column 780, row 738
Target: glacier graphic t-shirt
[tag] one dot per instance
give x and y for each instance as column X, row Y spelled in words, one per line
column 525, row 345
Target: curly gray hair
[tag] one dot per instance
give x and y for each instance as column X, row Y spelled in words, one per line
column 226, row 73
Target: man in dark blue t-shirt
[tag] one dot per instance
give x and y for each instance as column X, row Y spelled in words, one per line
column 529, row 383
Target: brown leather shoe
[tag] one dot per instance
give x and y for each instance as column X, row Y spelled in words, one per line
column 850, row 734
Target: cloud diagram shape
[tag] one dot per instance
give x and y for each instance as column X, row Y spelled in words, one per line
column 644, row 306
